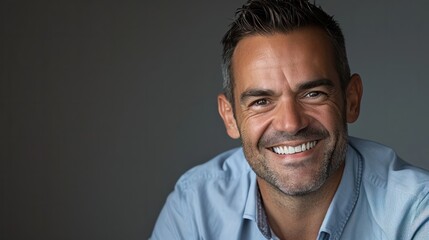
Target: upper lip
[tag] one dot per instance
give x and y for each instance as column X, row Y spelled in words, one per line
column 285, row 149
column 292, row 143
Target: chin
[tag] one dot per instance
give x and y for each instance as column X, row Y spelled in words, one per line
column 301, row 190
column 301, row 182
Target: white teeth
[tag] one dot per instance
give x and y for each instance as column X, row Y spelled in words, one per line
column 297, row 149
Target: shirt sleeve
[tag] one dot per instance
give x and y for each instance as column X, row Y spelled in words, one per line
column 174, row 219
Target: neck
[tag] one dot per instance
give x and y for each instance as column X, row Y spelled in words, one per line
column 298, row 217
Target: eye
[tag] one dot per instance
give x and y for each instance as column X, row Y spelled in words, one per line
column 315, row 94
column 260, row 102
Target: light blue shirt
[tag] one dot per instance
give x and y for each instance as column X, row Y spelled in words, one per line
column 379, row 197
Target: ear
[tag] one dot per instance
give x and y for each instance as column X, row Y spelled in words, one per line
column 227, row 113
column 353, row 97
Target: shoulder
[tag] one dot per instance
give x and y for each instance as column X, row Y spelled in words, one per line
column 384, row 168
column 218, row 189
column 392, row 189
column 224, row 167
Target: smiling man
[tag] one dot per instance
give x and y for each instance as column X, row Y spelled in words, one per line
column 289, row 95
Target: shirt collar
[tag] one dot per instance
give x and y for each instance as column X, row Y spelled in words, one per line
column 338, row 212
column 345, row 197
column 254, row 209
column 252, row 196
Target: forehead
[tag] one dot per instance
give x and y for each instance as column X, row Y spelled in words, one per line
column 302, row 54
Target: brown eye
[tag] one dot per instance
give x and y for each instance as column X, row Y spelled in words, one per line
column 260, row 102
column 314, row 94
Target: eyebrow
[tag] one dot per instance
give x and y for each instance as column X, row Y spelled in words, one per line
column 304, row 86
column 255, row 93
column 316, row 83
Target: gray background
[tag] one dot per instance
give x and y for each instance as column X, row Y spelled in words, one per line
column 104, row 104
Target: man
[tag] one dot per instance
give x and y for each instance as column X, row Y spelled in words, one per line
column 288, row 95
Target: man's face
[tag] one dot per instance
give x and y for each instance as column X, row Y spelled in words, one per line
column 290, row 110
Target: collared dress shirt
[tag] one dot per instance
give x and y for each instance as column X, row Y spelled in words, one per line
column 379, row 197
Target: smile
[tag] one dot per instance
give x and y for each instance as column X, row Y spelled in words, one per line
column 285, row 150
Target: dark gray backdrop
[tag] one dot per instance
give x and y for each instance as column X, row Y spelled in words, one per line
column 104, row 104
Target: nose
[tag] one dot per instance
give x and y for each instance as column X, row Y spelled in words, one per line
column 290, row 117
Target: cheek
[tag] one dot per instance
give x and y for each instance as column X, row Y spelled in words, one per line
column 252, row 128
column 330, row 116
column 334, row 118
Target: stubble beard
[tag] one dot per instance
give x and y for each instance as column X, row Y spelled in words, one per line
column 332, row 159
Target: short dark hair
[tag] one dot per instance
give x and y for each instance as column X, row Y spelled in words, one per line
column 265, row 17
